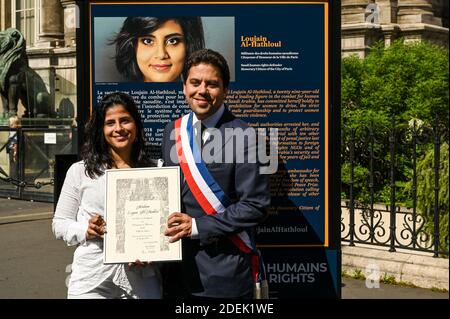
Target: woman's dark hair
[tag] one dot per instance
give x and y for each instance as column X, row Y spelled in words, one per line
column 134, row 27
column 96, row 152
column 208, row 56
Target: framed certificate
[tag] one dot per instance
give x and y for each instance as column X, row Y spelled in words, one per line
column 137, row 204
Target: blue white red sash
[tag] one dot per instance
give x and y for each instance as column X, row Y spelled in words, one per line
column 205, row 189
column 207, row 192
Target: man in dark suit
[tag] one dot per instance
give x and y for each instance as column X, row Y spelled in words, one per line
column 224, row 195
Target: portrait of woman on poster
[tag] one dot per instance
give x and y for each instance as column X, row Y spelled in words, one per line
column 154, row 49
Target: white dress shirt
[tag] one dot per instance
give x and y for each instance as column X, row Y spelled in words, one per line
column 81, row 198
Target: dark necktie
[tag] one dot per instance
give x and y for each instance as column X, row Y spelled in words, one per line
column 199, row 134
column 202, row 131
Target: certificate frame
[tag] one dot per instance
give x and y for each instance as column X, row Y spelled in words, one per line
column 138, row 202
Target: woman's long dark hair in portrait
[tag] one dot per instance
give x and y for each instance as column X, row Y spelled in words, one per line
column 96, row 152
column 135, row 27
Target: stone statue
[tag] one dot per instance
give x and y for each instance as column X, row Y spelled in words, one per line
column 19, row 81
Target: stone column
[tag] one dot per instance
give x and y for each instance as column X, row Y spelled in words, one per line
column 71, row 21
column 418, row 11
column 388, row 20
column 388, row 11
column 421, row 20
column 51, row 24
column 360, row 26
column 353, row 11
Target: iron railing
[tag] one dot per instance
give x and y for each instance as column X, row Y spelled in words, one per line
column 31, row 175
column 385, row 154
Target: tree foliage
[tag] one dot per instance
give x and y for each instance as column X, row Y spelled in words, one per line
column 410, row 80
column 404, row 82
column 426, row 194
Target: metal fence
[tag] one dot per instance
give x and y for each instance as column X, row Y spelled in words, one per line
column 29, row 174
column 382, row 161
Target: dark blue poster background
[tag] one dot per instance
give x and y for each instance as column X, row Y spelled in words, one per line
column 279, row 81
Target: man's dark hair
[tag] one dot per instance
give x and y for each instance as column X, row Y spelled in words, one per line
column 96, row 152
column 208, row 56
column 134, row 27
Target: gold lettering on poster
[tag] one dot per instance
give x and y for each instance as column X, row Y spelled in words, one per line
column 296, row 182
column 263, row 103
column 297, row 140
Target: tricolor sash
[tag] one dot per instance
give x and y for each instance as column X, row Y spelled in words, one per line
column 205, row 189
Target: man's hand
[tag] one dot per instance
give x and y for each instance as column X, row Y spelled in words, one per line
column 96, row 228
column 178, row 225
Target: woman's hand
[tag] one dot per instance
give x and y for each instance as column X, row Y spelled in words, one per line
column 96, row 228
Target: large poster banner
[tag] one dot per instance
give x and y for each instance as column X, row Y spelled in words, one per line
column 278, row 53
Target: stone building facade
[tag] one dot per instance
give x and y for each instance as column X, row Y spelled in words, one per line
column 365, row 22
column 49, row 29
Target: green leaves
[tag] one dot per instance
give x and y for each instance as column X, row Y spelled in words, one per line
column 425, row 190
column 410, row 80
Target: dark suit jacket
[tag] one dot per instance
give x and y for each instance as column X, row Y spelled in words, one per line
column 212, row 266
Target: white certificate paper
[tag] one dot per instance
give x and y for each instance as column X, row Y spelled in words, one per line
column 138, row 203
